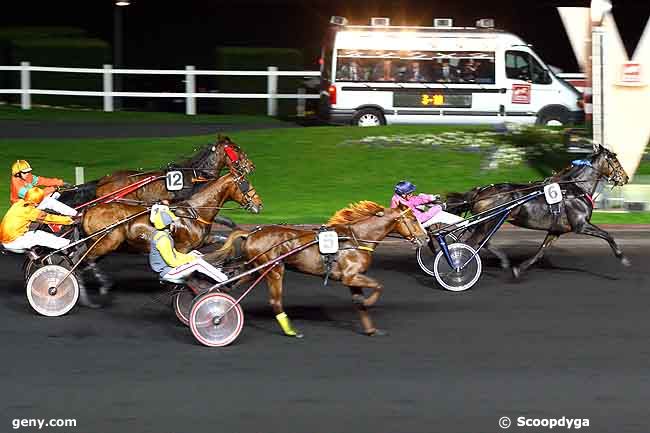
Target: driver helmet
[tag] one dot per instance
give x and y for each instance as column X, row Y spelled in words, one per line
column 34, row 195
column 20, row 166
column 161, row 216
column 404, row 187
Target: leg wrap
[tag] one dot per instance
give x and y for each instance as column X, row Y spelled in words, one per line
column 285, row 323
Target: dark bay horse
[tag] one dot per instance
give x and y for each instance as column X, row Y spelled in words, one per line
column 359, row 223
column 578, row 183
column 191, row 231
column 207, row 163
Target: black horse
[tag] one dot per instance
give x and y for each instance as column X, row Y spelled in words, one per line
column 578, row 184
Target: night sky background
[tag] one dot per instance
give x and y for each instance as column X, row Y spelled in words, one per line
column 165, row 34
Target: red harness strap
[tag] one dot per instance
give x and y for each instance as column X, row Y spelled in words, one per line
column 232, row 154
column 593, row 205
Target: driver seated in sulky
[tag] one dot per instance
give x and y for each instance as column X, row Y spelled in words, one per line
column 23, row 180
column 404, row 193
column 15, row 234
column 170, row 264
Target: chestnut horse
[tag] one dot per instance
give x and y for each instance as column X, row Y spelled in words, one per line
column 574, row 215
column 360, row 226
column 191, row 231
column 205, row 164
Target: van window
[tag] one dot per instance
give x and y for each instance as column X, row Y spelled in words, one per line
column 456, row 67
column 523, row 66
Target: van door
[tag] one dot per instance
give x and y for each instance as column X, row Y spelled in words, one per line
column 529, row 87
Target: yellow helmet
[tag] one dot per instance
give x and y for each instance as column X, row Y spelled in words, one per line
column 34, row 195
column 161, row 216
column 20, row 166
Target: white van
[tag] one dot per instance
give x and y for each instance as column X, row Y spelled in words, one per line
column 382, row 74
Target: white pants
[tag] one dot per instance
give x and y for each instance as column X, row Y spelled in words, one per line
column 178, row 274
column 34, row 238
column 51, row 203
column 442, row 217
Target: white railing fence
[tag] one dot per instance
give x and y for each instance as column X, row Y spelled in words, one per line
column 272, row 73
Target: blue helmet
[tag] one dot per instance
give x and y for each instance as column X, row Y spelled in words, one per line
column 404, row 187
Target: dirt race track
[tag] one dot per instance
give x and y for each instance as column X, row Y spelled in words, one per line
column 571, row 339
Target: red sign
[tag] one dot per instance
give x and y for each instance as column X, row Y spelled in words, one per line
column 631, row 74
column 521, row 93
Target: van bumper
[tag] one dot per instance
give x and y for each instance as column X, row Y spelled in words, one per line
column 338, row 116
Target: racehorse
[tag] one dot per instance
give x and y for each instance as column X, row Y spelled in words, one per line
column 191, row 231
column 360, row 227
column 206, row 164
column 579, row 182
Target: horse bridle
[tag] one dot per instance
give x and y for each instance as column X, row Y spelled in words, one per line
column 246, row 190
column 402, row 217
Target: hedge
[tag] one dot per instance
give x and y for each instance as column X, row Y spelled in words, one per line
column 256, row 59
column 64, row 52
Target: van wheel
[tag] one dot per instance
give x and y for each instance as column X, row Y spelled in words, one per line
column 368, row 117
column 555, row 116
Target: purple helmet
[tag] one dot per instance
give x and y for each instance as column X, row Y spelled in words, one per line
column 404, row 187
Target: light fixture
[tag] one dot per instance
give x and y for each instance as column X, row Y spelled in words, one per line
column 598, row 10
column 122, row 3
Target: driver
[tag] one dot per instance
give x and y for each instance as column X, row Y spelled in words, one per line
column 404, row 193
column 22, row 181
column 172, row 265
column 14, row 229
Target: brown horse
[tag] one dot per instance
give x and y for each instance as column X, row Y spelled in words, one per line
column 204, row 165
column 190, row 232
column 360, row 227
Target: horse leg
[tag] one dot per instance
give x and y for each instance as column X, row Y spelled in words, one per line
column 591, row 230
column 503, row 258
column 84, row 298
column 104, row 280
column 356, row 283
column 274, row 282
column 517, row 270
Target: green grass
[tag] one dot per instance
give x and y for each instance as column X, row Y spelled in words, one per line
column 10, row 112
column 303, row 174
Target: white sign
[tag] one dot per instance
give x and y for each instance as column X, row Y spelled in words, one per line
column 328, row 242
column 553, row 193
column 631, row 74
column 174, row 180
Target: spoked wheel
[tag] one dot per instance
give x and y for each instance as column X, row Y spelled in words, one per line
column 215, row 319
column 182, row 302
column 49, row 294
column 426, row 254
column 56, row 259
column 465, row 272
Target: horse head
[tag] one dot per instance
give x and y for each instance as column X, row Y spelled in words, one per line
column 407, row 225
column 608, row 164
column 232, row 156
column 244, row 193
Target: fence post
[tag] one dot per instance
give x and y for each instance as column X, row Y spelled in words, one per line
column 79, row 175
column 108, row 88
column 272, row 90
column 190, row 89
column 25, row 84
column 301, row 103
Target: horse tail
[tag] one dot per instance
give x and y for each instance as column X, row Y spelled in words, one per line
column 461, row 202
column 228, row 248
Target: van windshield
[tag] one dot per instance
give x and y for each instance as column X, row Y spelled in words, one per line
column 455, row 67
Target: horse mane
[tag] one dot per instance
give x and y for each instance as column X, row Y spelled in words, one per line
column 354, row 212
column 195, row 160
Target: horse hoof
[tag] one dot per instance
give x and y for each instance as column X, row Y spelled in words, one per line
column 89, row 304
column 626, row 262
column 516, row 273
column 376, row 333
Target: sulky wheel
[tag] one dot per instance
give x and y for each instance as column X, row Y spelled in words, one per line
column 48, row 295
column 215, row 319
column 464, row 273
column 182, row 302
column 426, row 254
column 56, row 259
